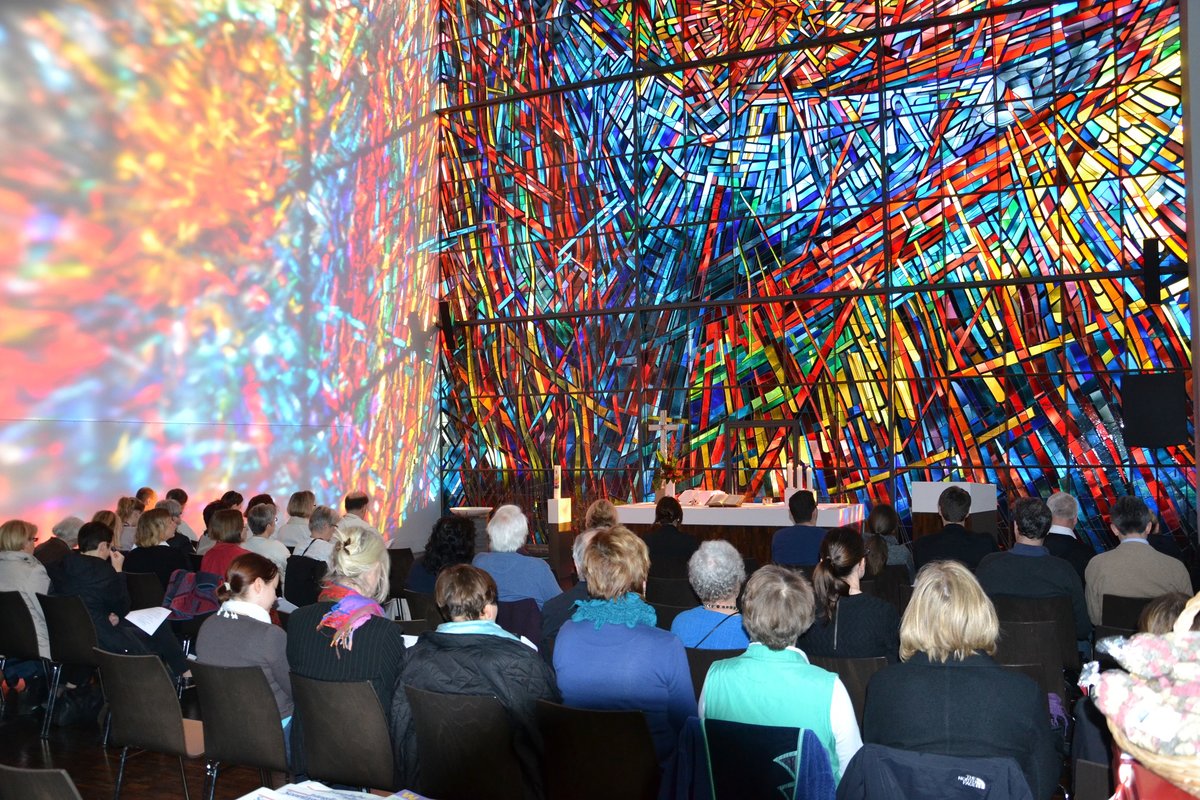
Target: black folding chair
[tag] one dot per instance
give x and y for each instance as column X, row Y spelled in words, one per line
column 855, row 674
column 573, row 737
column 699, row 660
column 36, row 784
column 18, row 635
column 145, row 711
column 72, row 641
column 1122, row 612
column 145, row 590
column 358, row 754
column 241, row 721
column 456, row 729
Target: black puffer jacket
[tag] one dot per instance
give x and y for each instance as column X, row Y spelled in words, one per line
column 477, row 664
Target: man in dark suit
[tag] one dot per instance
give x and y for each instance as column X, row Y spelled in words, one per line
column 1029, row 570
column 799, row 544
column 1061, row 541
column 953, row 542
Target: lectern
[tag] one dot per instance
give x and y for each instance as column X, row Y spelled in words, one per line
column 925, row 496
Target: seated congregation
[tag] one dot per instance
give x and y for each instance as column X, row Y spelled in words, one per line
column 854, row 655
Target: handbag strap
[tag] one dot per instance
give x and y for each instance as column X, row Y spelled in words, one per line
column 714, row 629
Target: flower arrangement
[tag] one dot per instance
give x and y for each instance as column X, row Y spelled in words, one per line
column 668, row 469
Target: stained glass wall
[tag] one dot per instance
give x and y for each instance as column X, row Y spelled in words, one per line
column 218, row 261
column 913, row 227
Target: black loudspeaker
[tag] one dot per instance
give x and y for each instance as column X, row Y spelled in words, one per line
column 1154, row 406
column 1151, row 271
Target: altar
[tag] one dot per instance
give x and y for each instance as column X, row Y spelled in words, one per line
column 748, row 527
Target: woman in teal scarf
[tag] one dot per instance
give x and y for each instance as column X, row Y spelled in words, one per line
column 611, row 655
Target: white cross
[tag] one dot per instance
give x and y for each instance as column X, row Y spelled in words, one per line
column 664, row 426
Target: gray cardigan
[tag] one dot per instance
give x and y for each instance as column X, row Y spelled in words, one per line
column 21, row 572
column 246, row 642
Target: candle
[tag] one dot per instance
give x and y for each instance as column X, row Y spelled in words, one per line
column 557, row 482
column 787, row 474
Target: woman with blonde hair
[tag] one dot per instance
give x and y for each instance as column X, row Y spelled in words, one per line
column 21, row 572
column 345, row 635
column 153, row 554
column 948, row 696
column 610, row 655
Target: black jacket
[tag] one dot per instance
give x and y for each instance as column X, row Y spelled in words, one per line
column 467, row 663
column 881, row 773
column 377, row 656
column 953, row 543
column 670, row 549
column 102, row 590
column 972, row 707
column 1071, row 550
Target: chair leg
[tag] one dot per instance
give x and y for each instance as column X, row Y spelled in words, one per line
column 183, row 777
column 3, row 691
column 120, row 773
column 107, row 729
column 56, row 669
column 211, row 768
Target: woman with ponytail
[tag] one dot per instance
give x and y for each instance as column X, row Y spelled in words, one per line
column 849, row 624
column 240, row 634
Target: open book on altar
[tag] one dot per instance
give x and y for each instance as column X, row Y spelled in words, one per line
column 715, row 499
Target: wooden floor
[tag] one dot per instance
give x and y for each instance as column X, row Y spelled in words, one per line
column 78, row 750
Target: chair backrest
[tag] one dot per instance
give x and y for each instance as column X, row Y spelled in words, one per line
column 855, row 674
column 520, row 618
column 241, row 718
column 671, row 591
column 573, row 737
column 1093, row 780
column 422, row 606
column 766, row 761
column 36, row 784
column 666, row 614
column 143, row 704
column 401, row 562
column 884, row 773
column 303, row 583
column 1033, row 643
column 145, row 590
column 1034, row 609
column 889, row 584
column 415, row 627
column 72, row 634
column 454, row 730
column 346, row 738
column 700, row 660
column 18, row 636
column 1122, row 612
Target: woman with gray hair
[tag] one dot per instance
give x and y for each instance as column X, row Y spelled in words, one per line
column 66, row 536
column 773, row 683
column 716, row 572
column 516, row 576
